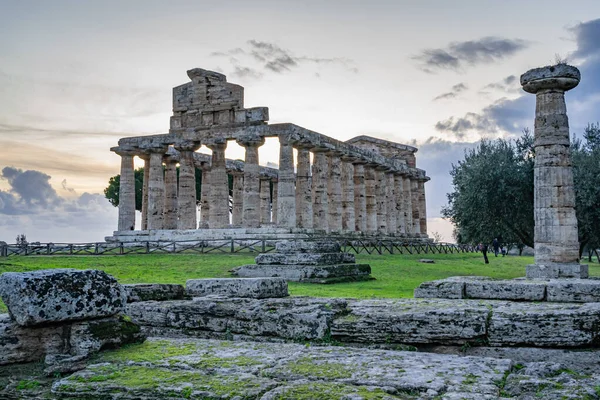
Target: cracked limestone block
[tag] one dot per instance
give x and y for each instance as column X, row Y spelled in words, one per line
column 307, row 273
column 257, row 288
column 305, row 246
column 443, row 289
column 153, row 291
column 544, row 324
column 59, row 295
column 505, row 290
column 412, row 321
column 305, row 258
column 574, row 290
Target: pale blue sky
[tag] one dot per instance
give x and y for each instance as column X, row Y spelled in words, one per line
column 75, row 76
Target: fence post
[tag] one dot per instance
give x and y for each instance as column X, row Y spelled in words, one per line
column 232, row 246
column 263, row 245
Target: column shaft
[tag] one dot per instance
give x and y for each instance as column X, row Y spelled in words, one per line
column 304, row 209
column 265, row 201
column 205, row 190
column 416, row 222
column 422, row 209
column 399, row 197
column 371, row 202
column 320, row 200
column 170, row 210
column 407, row 202
column 251, row 202
column 334, row 190
column 360, row 199
column 186, row 198
column 238, row 199
column 156, row 191
column 274, row 206
column 348, row 219
column 390, row 198
column 380, row 194
column 127, row 193
column 146, row 159
column 286, row 187
column 219, row 186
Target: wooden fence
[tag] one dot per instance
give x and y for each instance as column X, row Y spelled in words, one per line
column 240, row 245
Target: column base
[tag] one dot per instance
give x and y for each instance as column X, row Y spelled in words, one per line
column 554, row 271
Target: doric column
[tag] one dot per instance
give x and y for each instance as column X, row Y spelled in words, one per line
column 170, row 210
column 390, row 198
column 422, row 207
column 380, row 195
column 126, row 188
column 274, row 206
column 304, row 209
column 320, row 175
column 251, row 207
column 360, row 198
column 407, row 205
column 348, row 219
column 265, row 200
column 219, row 185
column 371, row 202
column 238, row 198
column 146, row 157
column 399, row 206
column 156, row 188
column 334, row 191
column 205, row 189
column 555, row 233
column 416, row 219
column 286, row 190
column 186, row 197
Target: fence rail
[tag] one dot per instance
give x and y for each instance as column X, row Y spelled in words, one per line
column 240, row 245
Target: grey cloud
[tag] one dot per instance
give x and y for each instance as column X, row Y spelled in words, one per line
column 587, row 35
column 459, row 127
column 455, row 91
column 510, row 84
column 32, row 187
column 458, row 55
column 275, row 59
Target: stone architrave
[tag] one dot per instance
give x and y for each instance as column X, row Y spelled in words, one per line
column 205, row 196
column 348, row 219
column 360, row 198
column 371, row 202
column 399, row 206
column 320, row 177
column 156, row 188
column 265, row 201
column 126, row 189
column 286, row 186
column 304, row 209
column 170, row 210
column 146, row 157
column 422, row 207
column 334, row 190
column 380, row 195
column 416, row 220
column 219, row 185
column 186, row 197
column 390, row 196
column 274, row 206
column 251, row 202
column 555, row 233
column 238, row 198
column 407, row 205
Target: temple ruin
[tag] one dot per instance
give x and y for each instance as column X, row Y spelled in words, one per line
column 365, row 186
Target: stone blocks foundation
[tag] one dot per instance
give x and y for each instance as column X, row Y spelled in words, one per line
column 256, row 288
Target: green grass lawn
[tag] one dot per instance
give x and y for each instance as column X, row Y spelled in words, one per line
column 396, row 275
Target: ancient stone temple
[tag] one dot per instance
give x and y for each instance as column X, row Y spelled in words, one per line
column 363, row 186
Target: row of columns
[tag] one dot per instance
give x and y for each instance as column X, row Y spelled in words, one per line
column 337, row 194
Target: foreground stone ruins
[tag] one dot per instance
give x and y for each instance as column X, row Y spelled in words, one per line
column 364, row 186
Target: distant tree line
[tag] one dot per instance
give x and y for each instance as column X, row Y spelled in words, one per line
column 493, row 191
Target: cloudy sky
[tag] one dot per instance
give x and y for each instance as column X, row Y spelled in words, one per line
column 76, row 76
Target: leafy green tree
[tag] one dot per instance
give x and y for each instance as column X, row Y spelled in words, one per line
column 111, row 192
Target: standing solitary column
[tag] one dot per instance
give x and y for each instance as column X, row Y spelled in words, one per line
column 186, row 198
column 146, row 157
column 422, row 206
column 390, row 197
column 360, row 197
column 205, row 196
column 320, row 176
column 408, row 209
column 219, row 185
column 334, row 190
column 170, row 211
column 348, row 219
column 380, row 195
column 371, row 202
column 265, row 200
column 416, row 221
column 126, row 189
column 304, row 209
column 399, row 197
column 238, row 198
column 156, row 188
column 555, row 234
column 251, row 207
column 286, row 185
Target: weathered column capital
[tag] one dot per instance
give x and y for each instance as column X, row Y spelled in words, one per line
column 154, row 148
column 251, row 140
column 561, row 77
column 186, row 145
column 216, row 144
column 125, row 150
